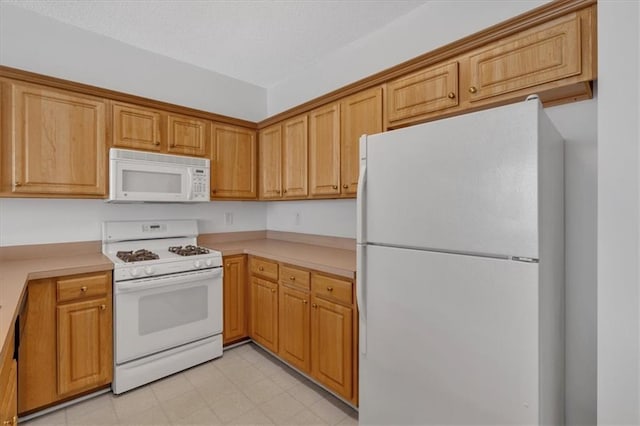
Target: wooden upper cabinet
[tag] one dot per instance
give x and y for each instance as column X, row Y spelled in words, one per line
column 547, row 53
column 324, row 150
column 426, row 91
column 294, row 158
column 136, row 127
column 233, row 162
column 361, row 114
column 186, row 135
column 270, row 162
column 54, row 142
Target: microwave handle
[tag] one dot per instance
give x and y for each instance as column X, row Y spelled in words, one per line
column 190, row 184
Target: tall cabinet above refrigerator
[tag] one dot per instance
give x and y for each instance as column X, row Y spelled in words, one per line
column 461, row 271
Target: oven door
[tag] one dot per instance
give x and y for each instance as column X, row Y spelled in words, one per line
column 159, row 313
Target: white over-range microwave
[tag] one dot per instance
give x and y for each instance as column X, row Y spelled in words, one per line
column 136, row 176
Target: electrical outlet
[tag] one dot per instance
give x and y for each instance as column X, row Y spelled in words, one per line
column 228, row 218
column 297, row 218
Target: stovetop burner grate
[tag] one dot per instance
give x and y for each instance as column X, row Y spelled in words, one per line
column 136, row 256
column 188, row 250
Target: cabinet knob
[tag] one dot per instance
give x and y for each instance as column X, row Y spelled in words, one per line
column 83, row 289
column 213, row 191
column 260, row 268
column 451, row 95
column 473, row 89
column 103, row 307
column 285, row 191
column 345, row 186
column 277, row 191
column 335, row 186
column 228, row 265
column 329, row 288
column 313, row 305
column 292, row 278
column 304, row 301
column 156, row 143
column 273, row 290
column 18, row 183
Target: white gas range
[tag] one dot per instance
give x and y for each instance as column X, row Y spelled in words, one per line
column 167, row 299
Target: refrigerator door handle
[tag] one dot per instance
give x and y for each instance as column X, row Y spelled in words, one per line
column 360, row 205
column 361, row 260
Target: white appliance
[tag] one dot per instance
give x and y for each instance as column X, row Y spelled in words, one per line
column 461, row 271
column 167, row 299
column 138, row 176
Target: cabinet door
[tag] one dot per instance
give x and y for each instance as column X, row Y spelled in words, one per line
column 234, row 293
column 361, row 114
column 294, row 158
column 264, row 313
column 59, row 142
column 332, row 345
column 270, row 162
column 294, row 327
column 533, row 57
column 135, row 127
column 8, row 384
column 186, row 135
column 233, row 162
column 84, row 345
column 426, row 91
column 324, row 150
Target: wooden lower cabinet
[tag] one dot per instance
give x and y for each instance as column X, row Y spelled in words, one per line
column 66, row 348
column 234, row 299
column 332, row 345
column 8, row 385
column 294, row 327
column 264, row 313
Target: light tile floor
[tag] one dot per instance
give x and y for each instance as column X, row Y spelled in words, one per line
column 247, row 386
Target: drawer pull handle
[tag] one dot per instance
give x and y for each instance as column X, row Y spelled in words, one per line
column 84, row 289
column 329, row 288
column 103, row 307
column 260, row 268
column 292, row 278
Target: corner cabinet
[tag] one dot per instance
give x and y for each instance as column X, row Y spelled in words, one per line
column 233, row 162
column 235, row 298
column 54, row 142
column 67, row 346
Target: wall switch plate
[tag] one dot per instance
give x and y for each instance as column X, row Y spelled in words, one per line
column 297, row 218
column 228, row 218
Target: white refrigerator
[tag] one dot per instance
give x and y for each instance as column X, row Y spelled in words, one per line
column 460, row 276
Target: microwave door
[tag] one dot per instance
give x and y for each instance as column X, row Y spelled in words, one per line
column 137, row 181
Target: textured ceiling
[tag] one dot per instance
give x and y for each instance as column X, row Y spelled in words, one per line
column 260, row 42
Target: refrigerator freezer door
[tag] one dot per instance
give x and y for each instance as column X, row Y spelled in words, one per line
column 451, row 339
column 465, row 184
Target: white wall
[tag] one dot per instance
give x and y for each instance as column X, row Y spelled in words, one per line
column 32, row 221
column 43, row 45
column 435, row 24
column 618, row 213
column 324, row 217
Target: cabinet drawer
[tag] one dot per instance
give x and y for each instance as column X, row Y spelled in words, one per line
column 332, row 288
column 264, row 268
column 294, row 276
column 79, row 287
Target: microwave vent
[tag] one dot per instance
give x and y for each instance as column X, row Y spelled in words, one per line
column 125, row 154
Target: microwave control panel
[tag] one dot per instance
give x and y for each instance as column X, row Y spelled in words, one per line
column 200, row 184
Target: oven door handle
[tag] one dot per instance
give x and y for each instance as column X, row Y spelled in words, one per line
column 155, row 282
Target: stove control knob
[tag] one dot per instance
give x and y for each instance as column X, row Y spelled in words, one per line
column 209, row 262
column 197, row 264
column 134, row 272
column 148, row 270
